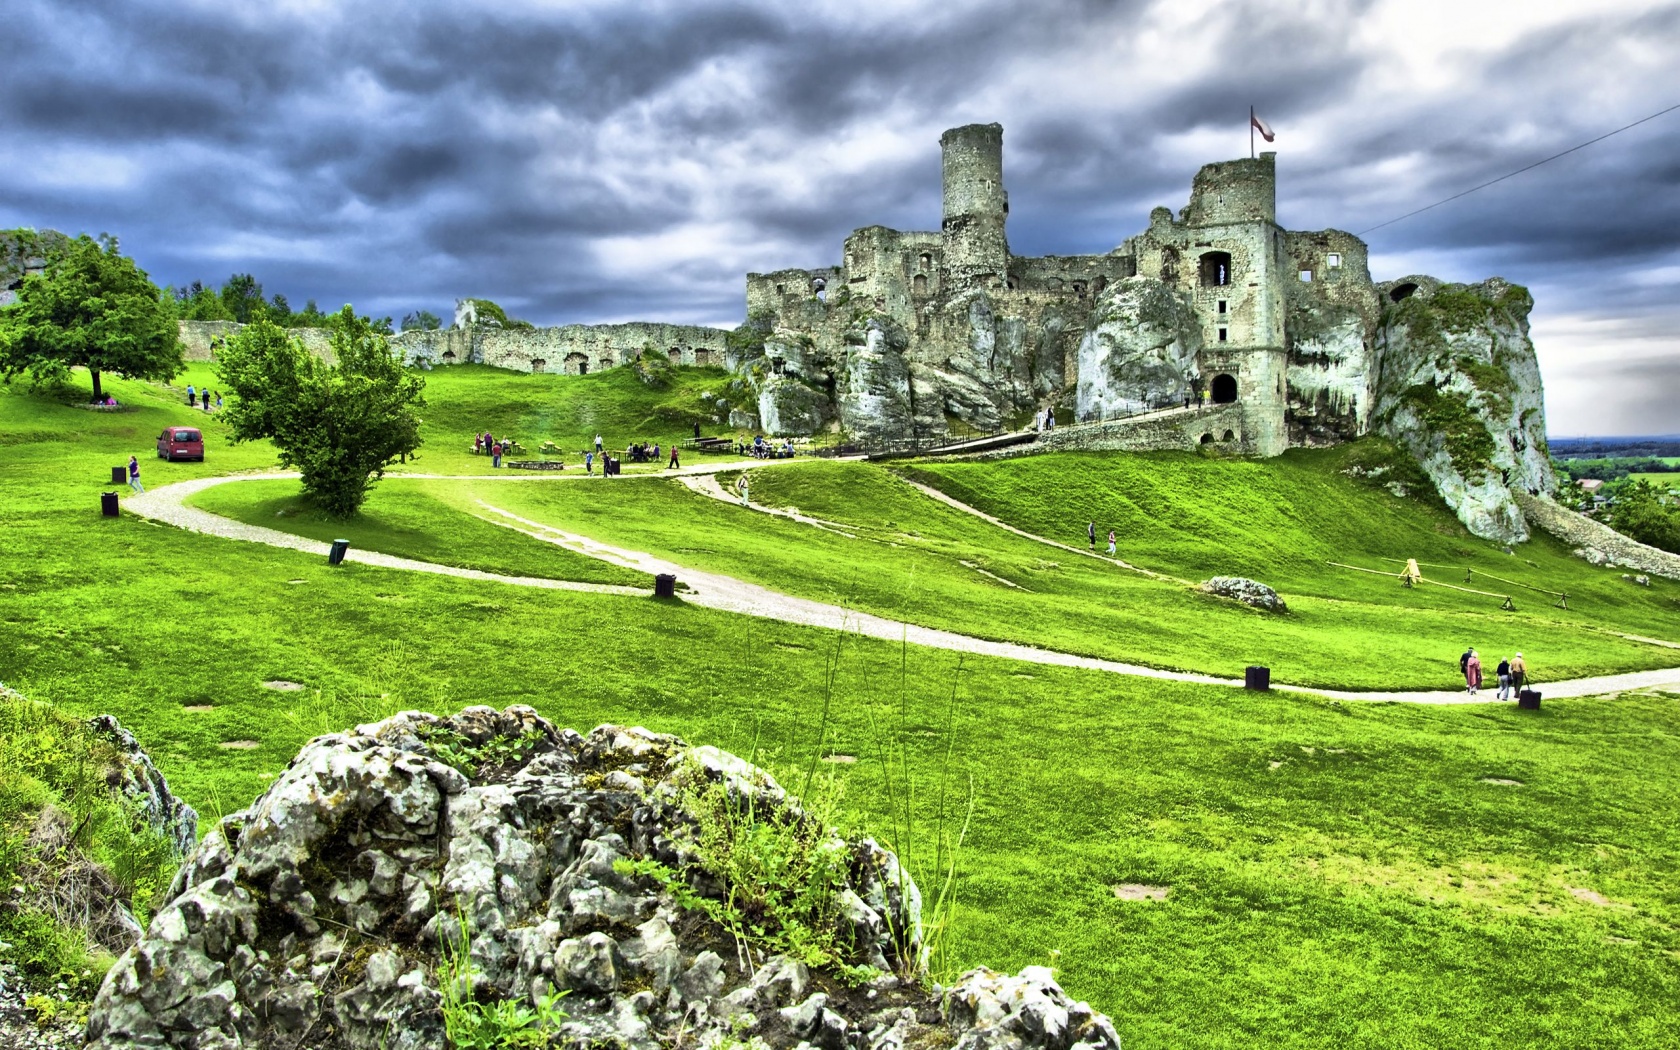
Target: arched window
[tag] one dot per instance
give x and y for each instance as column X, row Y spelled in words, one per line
column 576, row 364
column 675, row 354
column 926, row 260
column 1216, row 269
column 1402, row 291
column 1207, row 439
column 1229, row 436
column 449, row 357
column 920, row 284
column 1224, row 388
column 538, row 364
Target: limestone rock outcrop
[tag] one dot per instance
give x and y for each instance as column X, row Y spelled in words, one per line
column 1139, row 352
column 491, row 857
column 1458, row 386
column 135, row 777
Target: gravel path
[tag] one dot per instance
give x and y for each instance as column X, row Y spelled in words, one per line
column 728, row 594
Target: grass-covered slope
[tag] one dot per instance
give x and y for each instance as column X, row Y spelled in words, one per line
column 429, row 521
column 1340, row 874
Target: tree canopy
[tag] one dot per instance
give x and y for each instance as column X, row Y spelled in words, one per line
column 93, row 308
column 340, row 425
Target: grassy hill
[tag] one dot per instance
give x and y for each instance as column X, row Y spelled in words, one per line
column 1359, row 875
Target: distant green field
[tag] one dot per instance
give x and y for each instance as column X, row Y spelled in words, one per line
column 1341, row 874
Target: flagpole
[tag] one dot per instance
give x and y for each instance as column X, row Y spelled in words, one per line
column 1251, row 133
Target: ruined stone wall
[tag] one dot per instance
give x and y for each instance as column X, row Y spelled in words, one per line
column 569, row 348
column 1332, row 315
column 199, row 339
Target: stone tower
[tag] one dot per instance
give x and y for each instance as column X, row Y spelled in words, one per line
column 976, row 206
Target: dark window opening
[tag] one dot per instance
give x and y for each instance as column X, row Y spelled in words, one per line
column 1222, row 304
column 926, row 260
column 449, row 357
column 1101, row 283
column 818, row 284
column 1224, row 388
column 1079, row 288
column 1222, row 334
column 576, row 364
column 1216, row 269
column 1014, row 283
column 1229, row 436
column 1402, row 291
column 1207, row 439
column 778, row 365
column 920, row 284
column 781, row 289
column 583, row 368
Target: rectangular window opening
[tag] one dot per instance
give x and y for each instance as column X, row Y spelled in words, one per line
column 1221, row 306
column 1334, row 260
column 1306, row 275
column 1222, row 333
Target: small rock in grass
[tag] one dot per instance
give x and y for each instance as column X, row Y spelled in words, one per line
column 1249, row 592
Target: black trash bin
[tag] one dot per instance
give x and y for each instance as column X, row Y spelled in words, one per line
column 1257, row 678
column 108, row 504
column 336, row 555
column 664, row 586
column 119, row 475
column 1528, row 700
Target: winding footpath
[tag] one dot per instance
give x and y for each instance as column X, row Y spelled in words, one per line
column 166, row 504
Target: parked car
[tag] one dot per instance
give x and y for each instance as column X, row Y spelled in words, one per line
column 181, row 443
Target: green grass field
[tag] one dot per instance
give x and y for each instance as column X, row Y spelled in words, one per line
column 912, row 558
column 1340, row 873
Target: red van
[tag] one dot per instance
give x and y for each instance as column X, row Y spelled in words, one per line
column 181, row 443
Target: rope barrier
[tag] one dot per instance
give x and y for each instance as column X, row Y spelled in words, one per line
column 1437, row 583
column 1491, row 576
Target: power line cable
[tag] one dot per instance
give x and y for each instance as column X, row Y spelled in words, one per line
column 1519, row 171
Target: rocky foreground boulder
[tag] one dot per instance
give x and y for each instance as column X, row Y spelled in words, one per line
column 1242, row 589
column 401, row 883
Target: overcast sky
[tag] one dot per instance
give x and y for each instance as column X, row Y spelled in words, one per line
column 618, row 161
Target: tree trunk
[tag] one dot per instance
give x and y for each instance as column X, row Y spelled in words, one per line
column 98, row 395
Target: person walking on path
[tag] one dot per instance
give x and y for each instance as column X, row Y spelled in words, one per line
column 1111, row 543
column 218, row 402
column 1464, row 662
column 1472, row 672
column 741, row 486
column 1503, row 671
column 597, row 444
column 674, row 464
column 1091, row 534
column 1519, row 675
column 496, row 455
column 134, row 475
column 588, row 462
column 205, row 395
column 192, row 395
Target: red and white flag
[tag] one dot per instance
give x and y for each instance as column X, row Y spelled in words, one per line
column 1261, row 126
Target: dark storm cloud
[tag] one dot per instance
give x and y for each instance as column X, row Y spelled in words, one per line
column 605, row 161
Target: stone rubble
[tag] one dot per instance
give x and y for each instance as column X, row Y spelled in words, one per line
column 316, row 918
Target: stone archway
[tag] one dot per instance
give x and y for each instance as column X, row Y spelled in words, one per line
column 1224, row 388
column 538, row 364
column 1230, row 435
column 1207, row 439
column 577, row 364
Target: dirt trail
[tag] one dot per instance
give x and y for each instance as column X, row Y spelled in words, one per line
column 725, row 593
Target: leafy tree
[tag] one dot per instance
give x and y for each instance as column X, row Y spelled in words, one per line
column 198, row 303
column 309, row 317
column 421, row 320
column 489, row 313
column 1640, row 513
column 243, row 297
column 94, row 309
column 280, row 308
column 340, row 425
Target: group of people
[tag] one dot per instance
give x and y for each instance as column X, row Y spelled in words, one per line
column 486, row 444
column 1512, row 674
column 195, row 396
column 762, row 449
column 1091, row 534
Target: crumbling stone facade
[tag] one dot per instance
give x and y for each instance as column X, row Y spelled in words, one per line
column 1282, row 333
